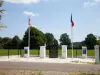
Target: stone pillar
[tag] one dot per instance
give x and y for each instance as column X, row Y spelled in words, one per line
column 97, row 54
column 26, row 52
column 42, row 52
column 64, row 51
column 84, row 52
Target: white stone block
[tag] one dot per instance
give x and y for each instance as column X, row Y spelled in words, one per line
column 64, row 51
column 97, row 57
column 42, row 52
column 26, row 52
column 84, row 52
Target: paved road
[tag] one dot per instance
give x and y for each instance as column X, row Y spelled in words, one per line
column 49, row 67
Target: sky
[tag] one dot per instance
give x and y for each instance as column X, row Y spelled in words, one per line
column 52, row 16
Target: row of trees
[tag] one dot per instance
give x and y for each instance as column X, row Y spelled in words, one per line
column 38, row 38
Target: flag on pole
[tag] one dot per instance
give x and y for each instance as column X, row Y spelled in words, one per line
column 30, row 23
column 72, row 22
column 72, row 25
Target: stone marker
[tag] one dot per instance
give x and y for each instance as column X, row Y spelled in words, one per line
column 84, row 52
column 42, row 52
column 53, row 51
column 97, row 54
column 26, row 52
column 64, row 51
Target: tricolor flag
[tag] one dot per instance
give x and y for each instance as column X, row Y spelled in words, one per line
column 72, row 22
column 72, row 25
column 30, row 23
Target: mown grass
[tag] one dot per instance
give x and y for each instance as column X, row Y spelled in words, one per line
column 4, row 52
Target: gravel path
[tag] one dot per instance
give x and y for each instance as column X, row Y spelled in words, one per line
column 50, row 67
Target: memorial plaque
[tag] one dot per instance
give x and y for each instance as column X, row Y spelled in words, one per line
column 84, row 51
column 53, row 52
column 25, row 51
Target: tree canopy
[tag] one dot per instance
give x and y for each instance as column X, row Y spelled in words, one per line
column 37, row 38
column 64, row 39
column 16, row 42
column 1, row 10
column 90, row 41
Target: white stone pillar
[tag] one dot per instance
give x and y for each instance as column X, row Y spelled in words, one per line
column 84, row 52
column 97, row 57
column 42, row 52
column 64, row 51
column 26, row 52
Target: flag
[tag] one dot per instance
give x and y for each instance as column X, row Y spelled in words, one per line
column 72, row 22
column 30, row 23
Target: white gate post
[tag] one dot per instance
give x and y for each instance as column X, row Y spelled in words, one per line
column 64, row 51
column 42, row 52
column 84, row 52
column 26, row 52
column 97, row 54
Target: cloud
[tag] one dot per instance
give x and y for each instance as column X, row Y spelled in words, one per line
column 91, row 2
column 27, row 1
column 30, row 13
column 23, row 1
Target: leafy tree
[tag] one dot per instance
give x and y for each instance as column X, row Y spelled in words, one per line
column 21, row 45
column 49, row 39
column 6, row 42
column 98, row 42
column 77, row 45
column 83, row 43
column 55, row 42
column 90, row 41
column 1, row 42
column 1, row 10
column 64, row 39
column 37, row 38
column 16, row 42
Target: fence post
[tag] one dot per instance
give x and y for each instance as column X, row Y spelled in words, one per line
column 76, row 53
column 38, row 52
column 8, row 53
column 20, row 53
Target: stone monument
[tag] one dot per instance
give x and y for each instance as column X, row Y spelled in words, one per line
column 64, row 51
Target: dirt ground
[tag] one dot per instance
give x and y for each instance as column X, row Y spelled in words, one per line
column 25, row 68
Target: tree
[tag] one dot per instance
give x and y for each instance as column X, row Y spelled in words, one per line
column 83, row 43
column 55, row 42
column 1, row 10
column 64, row 39
column 49, row 39
column 1, row 42
column 90, row 41
column 6, row 42
column 37, row 38
column 16, row 42
column 77, row 45
column 98, row 42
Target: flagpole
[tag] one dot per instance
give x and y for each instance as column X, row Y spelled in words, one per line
column 72, row 39
column 29, row 37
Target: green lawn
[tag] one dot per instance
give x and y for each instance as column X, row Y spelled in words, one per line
column 4, row 52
